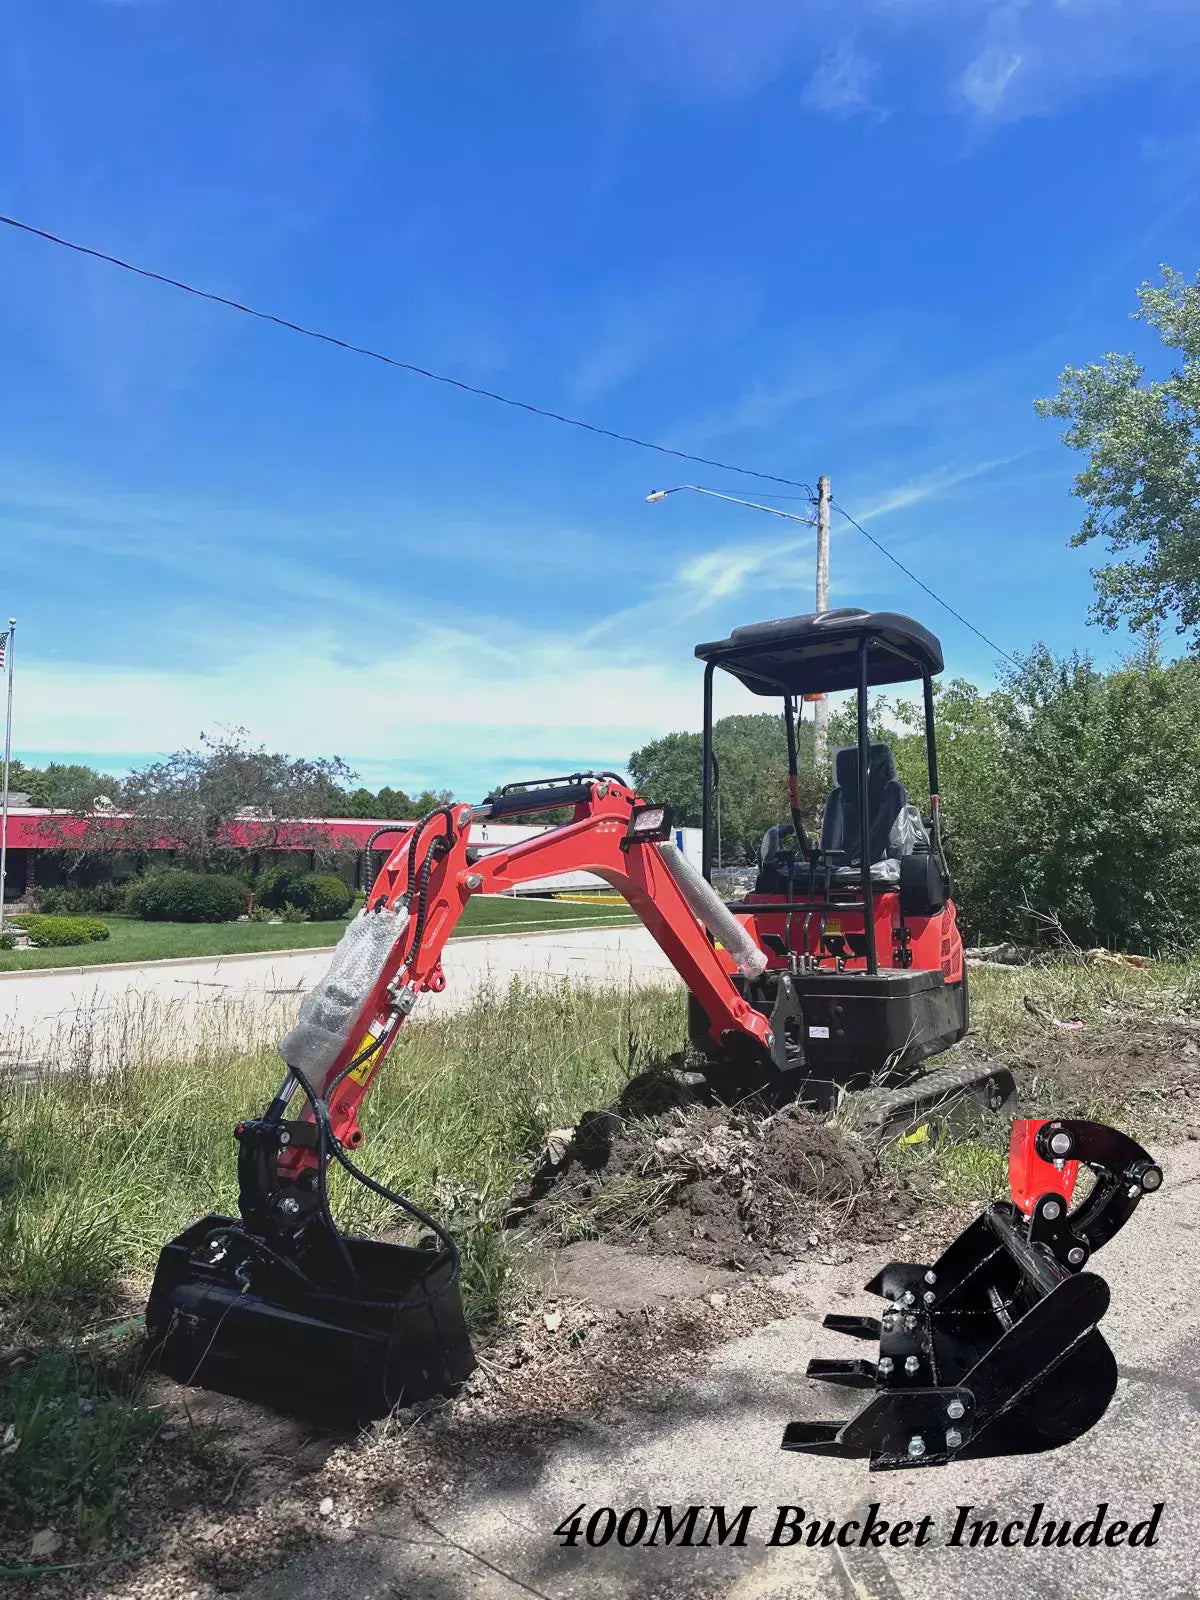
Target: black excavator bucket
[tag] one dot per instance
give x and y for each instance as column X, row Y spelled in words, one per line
column 993, row 1349
column 303, row 1336
column 280, row 1307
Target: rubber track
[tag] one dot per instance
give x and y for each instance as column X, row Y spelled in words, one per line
column 880, row 1108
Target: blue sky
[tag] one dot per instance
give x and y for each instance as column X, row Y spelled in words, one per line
column 851, row 236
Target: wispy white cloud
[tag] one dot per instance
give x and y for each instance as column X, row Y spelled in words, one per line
column 702, row 49
column 842, row 82
column 989, row 75
column 931, row 486
column 994, row 60
column 631, row 331
column 717, row 575
column 496, row 712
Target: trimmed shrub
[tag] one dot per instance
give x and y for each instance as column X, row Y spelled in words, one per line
column 179, row 896
column 50, row 932
column 325, row 896
column 67, row 899
column 278, row 887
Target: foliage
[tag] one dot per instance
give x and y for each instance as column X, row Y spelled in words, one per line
column 212, row 804
column 70, row 785
column 179, row 896
column 325, row 896
column 276, row 886
column 72, row 900
column 1142, row 481
column 75, row 1438
column 52, row 932
column 1069, row 795
column 291, row 913
column 8, row 941
column 751, row 753
column 389, row 805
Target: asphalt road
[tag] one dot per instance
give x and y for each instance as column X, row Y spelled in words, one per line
column 98, row 1015
column 715, row 1442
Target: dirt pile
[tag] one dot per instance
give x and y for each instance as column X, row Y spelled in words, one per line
column 724, row 1187
column 1136, row 1072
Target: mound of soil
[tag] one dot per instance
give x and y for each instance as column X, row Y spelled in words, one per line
column 1139, row 1072
column 725, row 1188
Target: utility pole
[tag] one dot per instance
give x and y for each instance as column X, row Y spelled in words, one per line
column 6, row 659
column 821, row 709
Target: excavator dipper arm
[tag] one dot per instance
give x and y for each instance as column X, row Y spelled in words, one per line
column 431, row 874
column 279, row 1304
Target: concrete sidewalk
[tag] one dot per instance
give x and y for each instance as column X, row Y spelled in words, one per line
column 100, row 1015
column 715, row 1441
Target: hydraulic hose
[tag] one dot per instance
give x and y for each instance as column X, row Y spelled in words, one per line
column 370, row 870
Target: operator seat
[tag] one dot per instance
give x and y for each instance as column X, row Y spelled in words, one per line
column 887, row 807
column 895, row 829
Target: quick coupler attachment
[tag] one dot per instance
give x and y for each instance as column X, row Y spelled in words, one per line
column 300, row 1334
column 993, row 1349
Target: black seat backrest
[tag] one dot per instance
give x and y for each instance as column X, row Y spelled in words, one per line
column 886, row 800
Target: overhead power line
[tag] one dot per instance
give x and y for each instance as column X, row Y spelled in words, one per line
column 393, row 361
column 921, row 584
column 481, row 393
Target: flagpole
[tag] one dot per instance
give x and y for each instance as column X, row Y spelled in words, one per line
column 8, row 656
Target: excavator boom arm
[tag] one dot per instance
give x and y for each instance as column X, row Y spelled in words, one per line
column 431, row 874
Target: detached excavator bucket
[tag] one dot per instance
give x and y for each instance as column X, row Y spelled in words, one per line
column 993, row 1349
column 302, row 1335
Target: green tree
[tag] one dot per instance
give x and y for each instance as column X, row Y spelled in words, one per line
column 1142, row 481
column 189, row 802
column 71, row 786
column 751, row 752
column 27, row 780
column 393, row 805
column 362, row 803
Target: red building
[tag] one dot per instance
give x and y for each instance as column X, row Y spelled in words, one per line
column 39, row 846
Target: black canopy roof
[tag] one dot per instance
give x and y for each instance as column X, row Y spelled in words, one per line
column 817, row 654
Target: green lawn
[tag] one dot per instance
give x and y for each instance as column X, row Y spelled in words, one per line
column 131, row 940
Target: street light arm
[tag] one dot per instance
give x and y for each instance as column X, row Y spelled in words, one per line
column 752, row 505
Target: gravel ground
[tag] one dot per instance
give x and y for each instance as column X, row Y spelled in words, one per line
column 750, row 1212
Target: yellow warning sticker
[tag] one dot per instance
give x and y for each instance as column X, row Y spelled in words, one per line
column 917, row 1136
column 832, row 927
column 365, row 1068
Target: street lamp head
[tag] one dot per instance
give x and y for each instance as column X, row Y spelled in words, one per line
column 657, row 494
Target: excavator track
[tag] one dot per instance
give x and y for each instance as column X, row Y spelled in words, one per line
column 950, row 1099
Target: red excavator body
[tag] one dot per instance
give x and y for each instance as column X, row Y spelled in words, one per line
column 841, row 971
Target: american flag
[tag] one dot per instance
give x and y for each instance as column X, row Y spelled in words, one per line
column 3, row 648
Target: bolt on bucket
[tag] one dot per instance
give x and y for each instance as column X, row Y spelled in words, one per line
column 302, row 1336
column 994, row 1349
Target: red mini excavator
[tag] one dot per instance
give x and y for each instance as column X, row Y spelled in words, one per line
column 841, row 973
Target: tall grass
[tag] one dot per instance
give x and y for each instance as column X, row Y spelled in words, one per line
column 1071, row 989
column 96, row 1171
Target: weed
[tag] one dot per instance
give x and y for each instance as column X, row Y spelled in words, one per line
column 101, row 1169
column 70, row 1436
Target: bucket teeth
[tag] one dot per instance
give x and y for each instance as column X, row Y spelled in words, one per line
column 848, row 1374
column 856, row 1327
column 818, row 1439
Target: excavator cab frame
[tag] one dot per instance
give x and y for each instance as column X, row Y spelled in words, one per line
column 821, row 654
column 869, row 972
